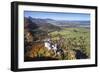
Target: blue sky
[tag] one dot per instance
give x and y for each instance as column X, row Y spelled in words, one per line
column 58, row 15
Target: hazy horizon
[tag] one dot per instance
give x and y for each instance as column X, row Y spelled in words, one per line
column 58, row 15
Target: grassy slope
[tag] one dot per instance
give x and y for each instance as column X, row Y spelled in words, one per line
column 76, row 35
column 74, row 38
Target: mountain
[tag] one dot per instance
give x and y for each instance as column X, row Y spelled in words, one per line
column 40, row 24
column 52, row 25
column 38, row 28
column 28, row 24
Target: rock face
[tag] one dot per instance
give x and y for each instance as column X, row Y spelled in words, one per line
column 28, row 37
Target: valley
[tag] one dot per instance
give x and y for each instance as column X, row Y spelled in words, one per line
column 73, row 38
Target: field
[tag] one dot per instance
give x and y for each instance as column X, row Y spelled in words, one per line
column 75, row 43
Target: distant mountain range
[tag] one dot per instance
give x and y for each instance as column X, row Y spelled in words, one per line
column 66, row 23
column 51, row 24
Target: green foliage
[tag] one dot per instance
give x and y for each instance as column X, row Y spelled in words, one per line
column 69, row 39
column 74, row 38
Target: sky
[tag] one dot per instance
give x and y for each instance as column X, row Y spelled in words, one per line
column 58, row 15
